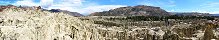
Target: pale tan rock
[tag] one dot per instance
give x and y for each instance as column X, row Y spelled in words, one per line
column 17, row 24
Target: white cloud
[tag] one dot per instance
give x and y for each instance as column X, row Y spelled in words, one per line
column 99, row 8
column 4, row 2
column 70, row 5
column 172, row 10
column 210, row 7
column 146, row 2
column 210, row 4
column 26, row 3
column 214, row 12
column 203, row 11
column 46, row 2
column 166, row 3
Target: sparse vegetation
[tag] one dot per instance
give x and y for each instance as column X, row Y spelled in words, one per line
column 107, row 23
column 163, row 18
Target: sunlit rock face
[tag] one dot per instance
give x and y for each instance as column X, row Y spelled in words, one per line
column 17, row 24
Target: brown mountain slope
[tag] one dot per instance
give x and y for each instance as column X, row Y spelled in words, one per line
column 140, row 10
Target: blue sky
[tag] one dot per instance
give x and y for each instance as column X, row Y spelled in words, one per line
column 90, row 6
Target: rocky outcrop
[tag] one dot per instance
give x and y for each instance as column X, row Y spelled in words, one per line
column 39, row 8
column 18, row 24
column 140, row 10
column 2, row 7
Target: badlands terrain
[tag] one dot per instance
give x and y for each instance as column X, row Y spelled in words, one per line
column 29, row 24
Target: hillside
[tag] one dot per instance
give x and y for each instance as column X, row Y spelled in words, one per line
column 140, row 10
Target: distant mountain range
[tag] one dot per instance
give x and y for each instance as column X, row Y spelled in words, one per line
column 190, row 14
column 143, row 10
column 139, row 10
column 214, row 14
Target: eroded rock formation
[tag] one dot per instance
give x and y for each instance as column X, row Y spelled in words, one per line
column 18, row 24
